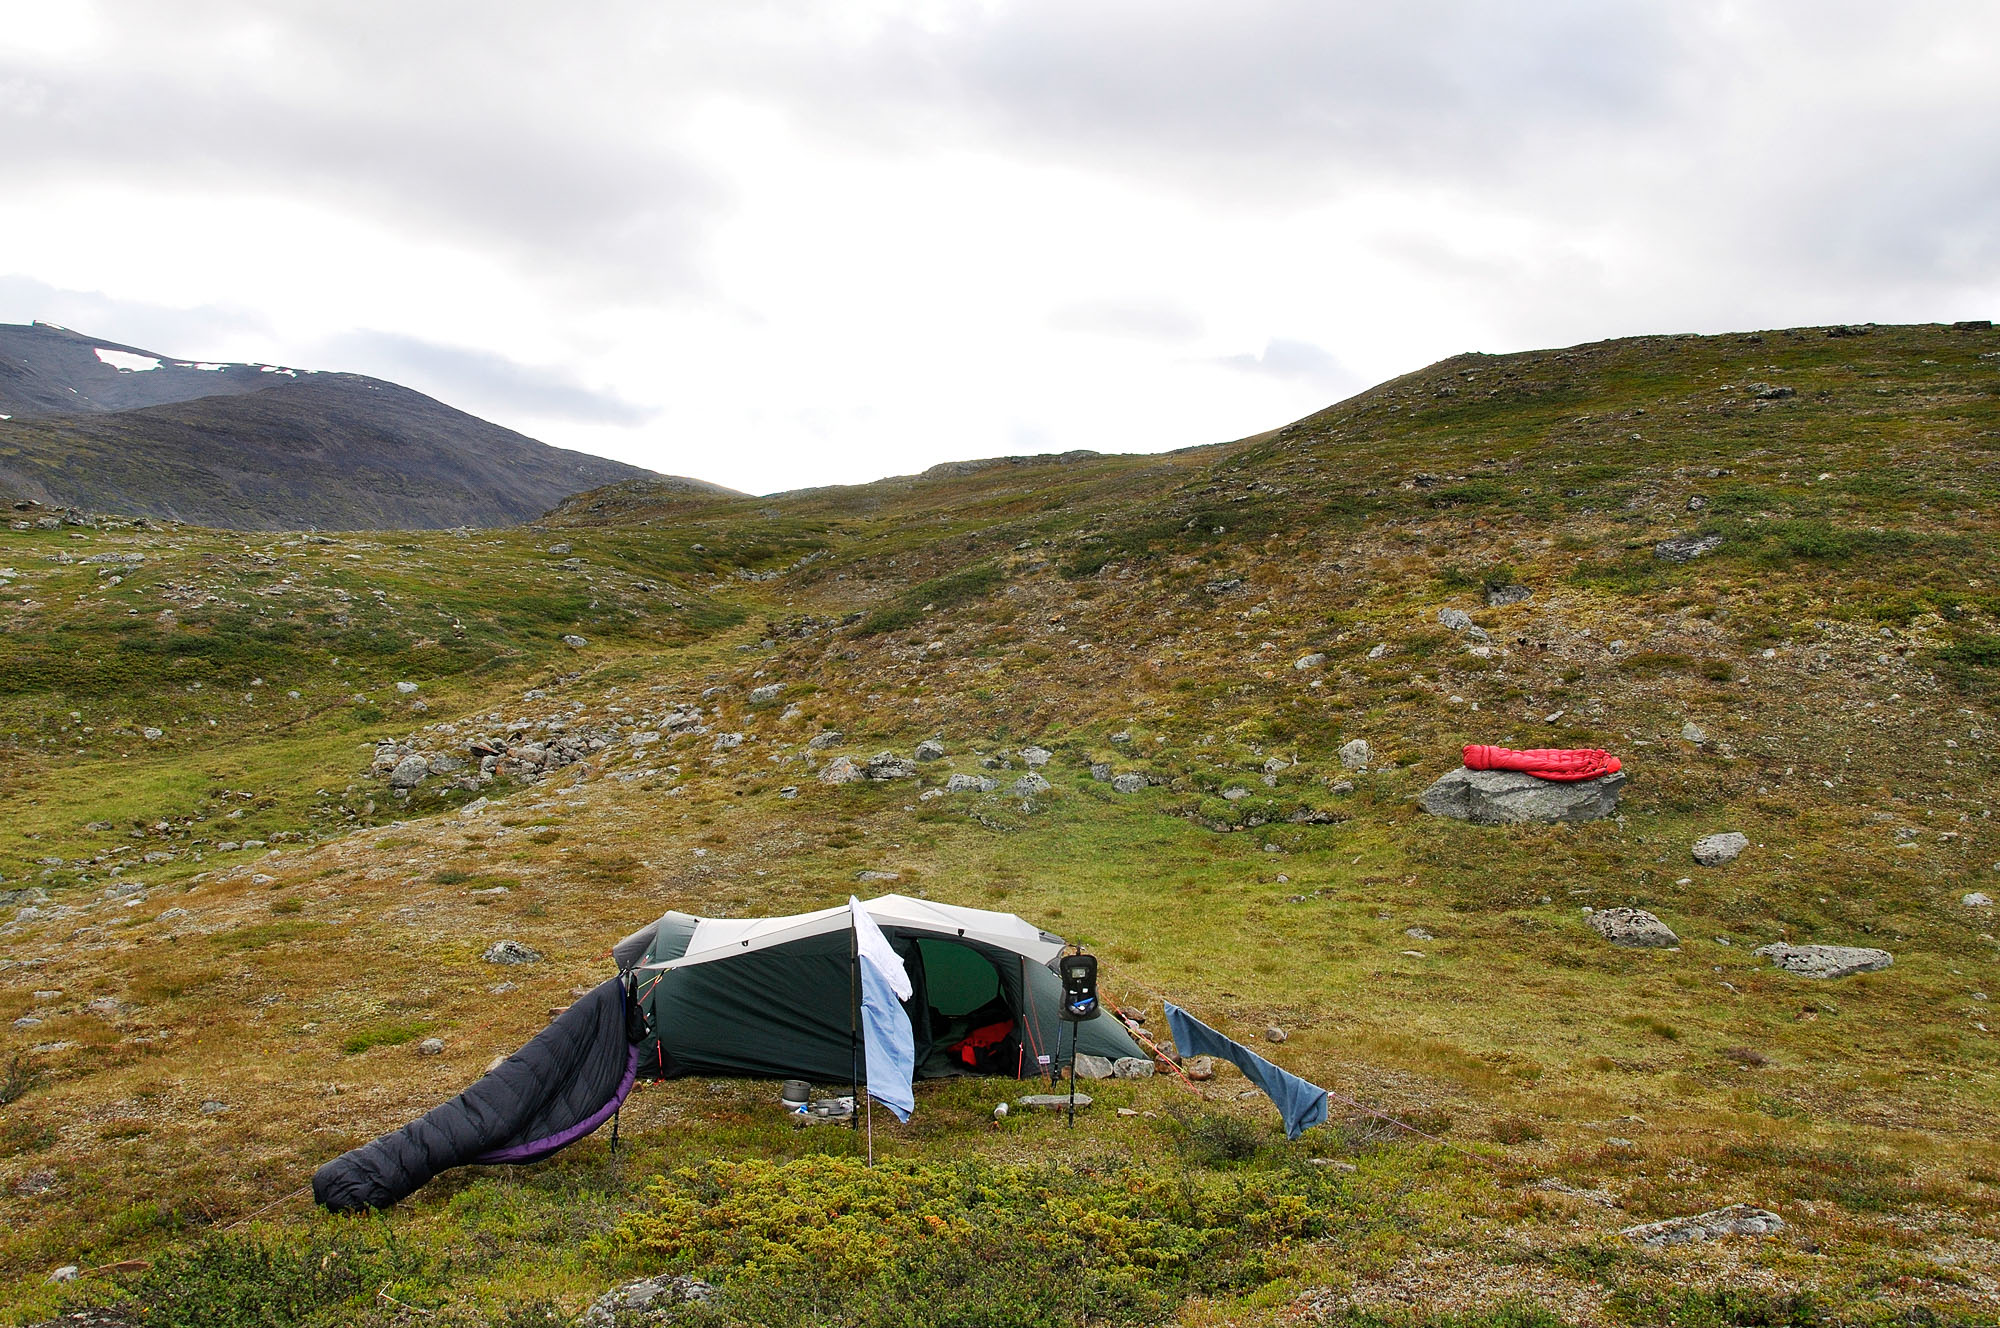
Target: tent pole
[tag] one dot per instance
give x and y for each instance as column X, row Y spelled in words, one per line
column 1074, row 1029
column 854, row 1018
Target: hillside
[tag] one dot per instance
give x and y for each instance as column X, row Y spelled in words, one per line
column 260, row 448
column 208, row 717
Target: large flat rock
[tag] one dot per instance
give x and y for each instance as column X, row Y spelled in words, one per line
column 1827, row 961
column 1508, row 797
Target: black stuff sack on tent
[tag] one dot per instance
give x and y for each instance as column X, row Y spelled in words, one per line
column 552, row 1092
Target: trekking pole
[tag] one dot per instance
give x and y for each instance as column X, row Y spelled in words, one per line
column 1074, row 1029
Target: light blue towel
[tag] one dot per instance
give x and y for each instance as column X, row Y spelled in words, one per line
column 1303, row 1105
column 886, row 1036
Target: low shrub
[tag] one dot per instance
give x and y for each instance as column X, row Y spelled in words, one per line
column 969, row 1244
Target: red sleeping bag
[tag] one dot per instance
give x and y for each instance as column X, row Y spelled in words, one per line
column 1543, row 762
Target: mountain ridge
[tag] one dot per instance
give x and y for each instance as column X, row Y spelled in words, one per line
column 263, row 447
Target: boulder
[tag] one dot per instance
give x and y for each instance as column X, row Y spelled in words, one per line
column 1101, row 771
column 1355, row 754
column 1633, row 926
column 1457, row 620
column 768, row 692
column 1826, row 961
column 888, row 765
column 1035, row 757
column 645, row 1302
column 1720, row 850
column 842, row 770
column 1508, row 797
column 1681, row 548
column 1094, row 1067
column 821, row 741
column 1127, row 783
column 1312, row 661
column 1735, row 1220
column 1132, row 1067
column 930, row 749
column 409, row 772
column 511, row 952
column 1028, row 785
column 969, row 784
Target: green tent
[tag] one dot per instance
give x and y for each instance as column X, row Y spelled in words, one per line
column 774, row 997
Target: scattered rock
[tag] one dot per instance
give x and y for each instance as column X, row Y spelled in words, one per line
column 1094, row 1067
column 645, row 1302
column 69, row 1272
column 1507, row 797
column 970, row 784
column 1101, row 771
column 727, row 742
column 842, row 770
column 1053, row 1101
column 511, row 952
column 1199, row 1068
column 1735, row 1220
column 1720, row 850
column 1457, row 620
column 406, row 687
column 1275, row 1034
column 877, row 876
column 1035, row 757
column 1028, row 785
column 1500, row 596
column 574, row 642
column 431, row 1047
column 930, row 749
column 1355, row 754
column 768, row 692
column 1312, row 661
column 1694, row 733
column 559, row 550
column 1826, row 961
column 789, row 791
column 472, row 810
column 1681, row 548
column 125, row 889
column 820, row 742
column 1418, row 934
column 1127, row 783
column 1977, row 899
column 1633, row 926
column 1236, row 794
column 26, row 1022
column 1376, row 652
column 1132, row 1067
column 214, row 1107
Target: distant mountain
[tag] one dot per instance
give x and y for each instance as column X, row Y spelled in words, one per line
column 113, row 428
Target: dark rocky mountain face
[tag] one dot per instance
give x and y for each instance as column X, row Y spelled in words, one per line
column 254, row 447
column 50, row 370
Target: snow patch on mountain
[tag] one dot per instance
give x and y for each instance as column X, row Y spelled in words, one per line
column 126, row 362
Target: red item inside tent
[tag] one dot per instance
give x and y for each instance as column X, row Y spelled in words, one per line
column 1543, row 762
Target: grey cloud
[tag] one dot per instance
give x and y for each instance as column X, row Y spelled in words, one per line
column 511, row 143
column 202, row 331
column 1299, row 361
column 480, row 381
column 1150, row 320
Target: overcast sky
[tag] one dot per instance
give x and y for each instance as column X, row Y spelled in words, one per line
column 777, row 244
